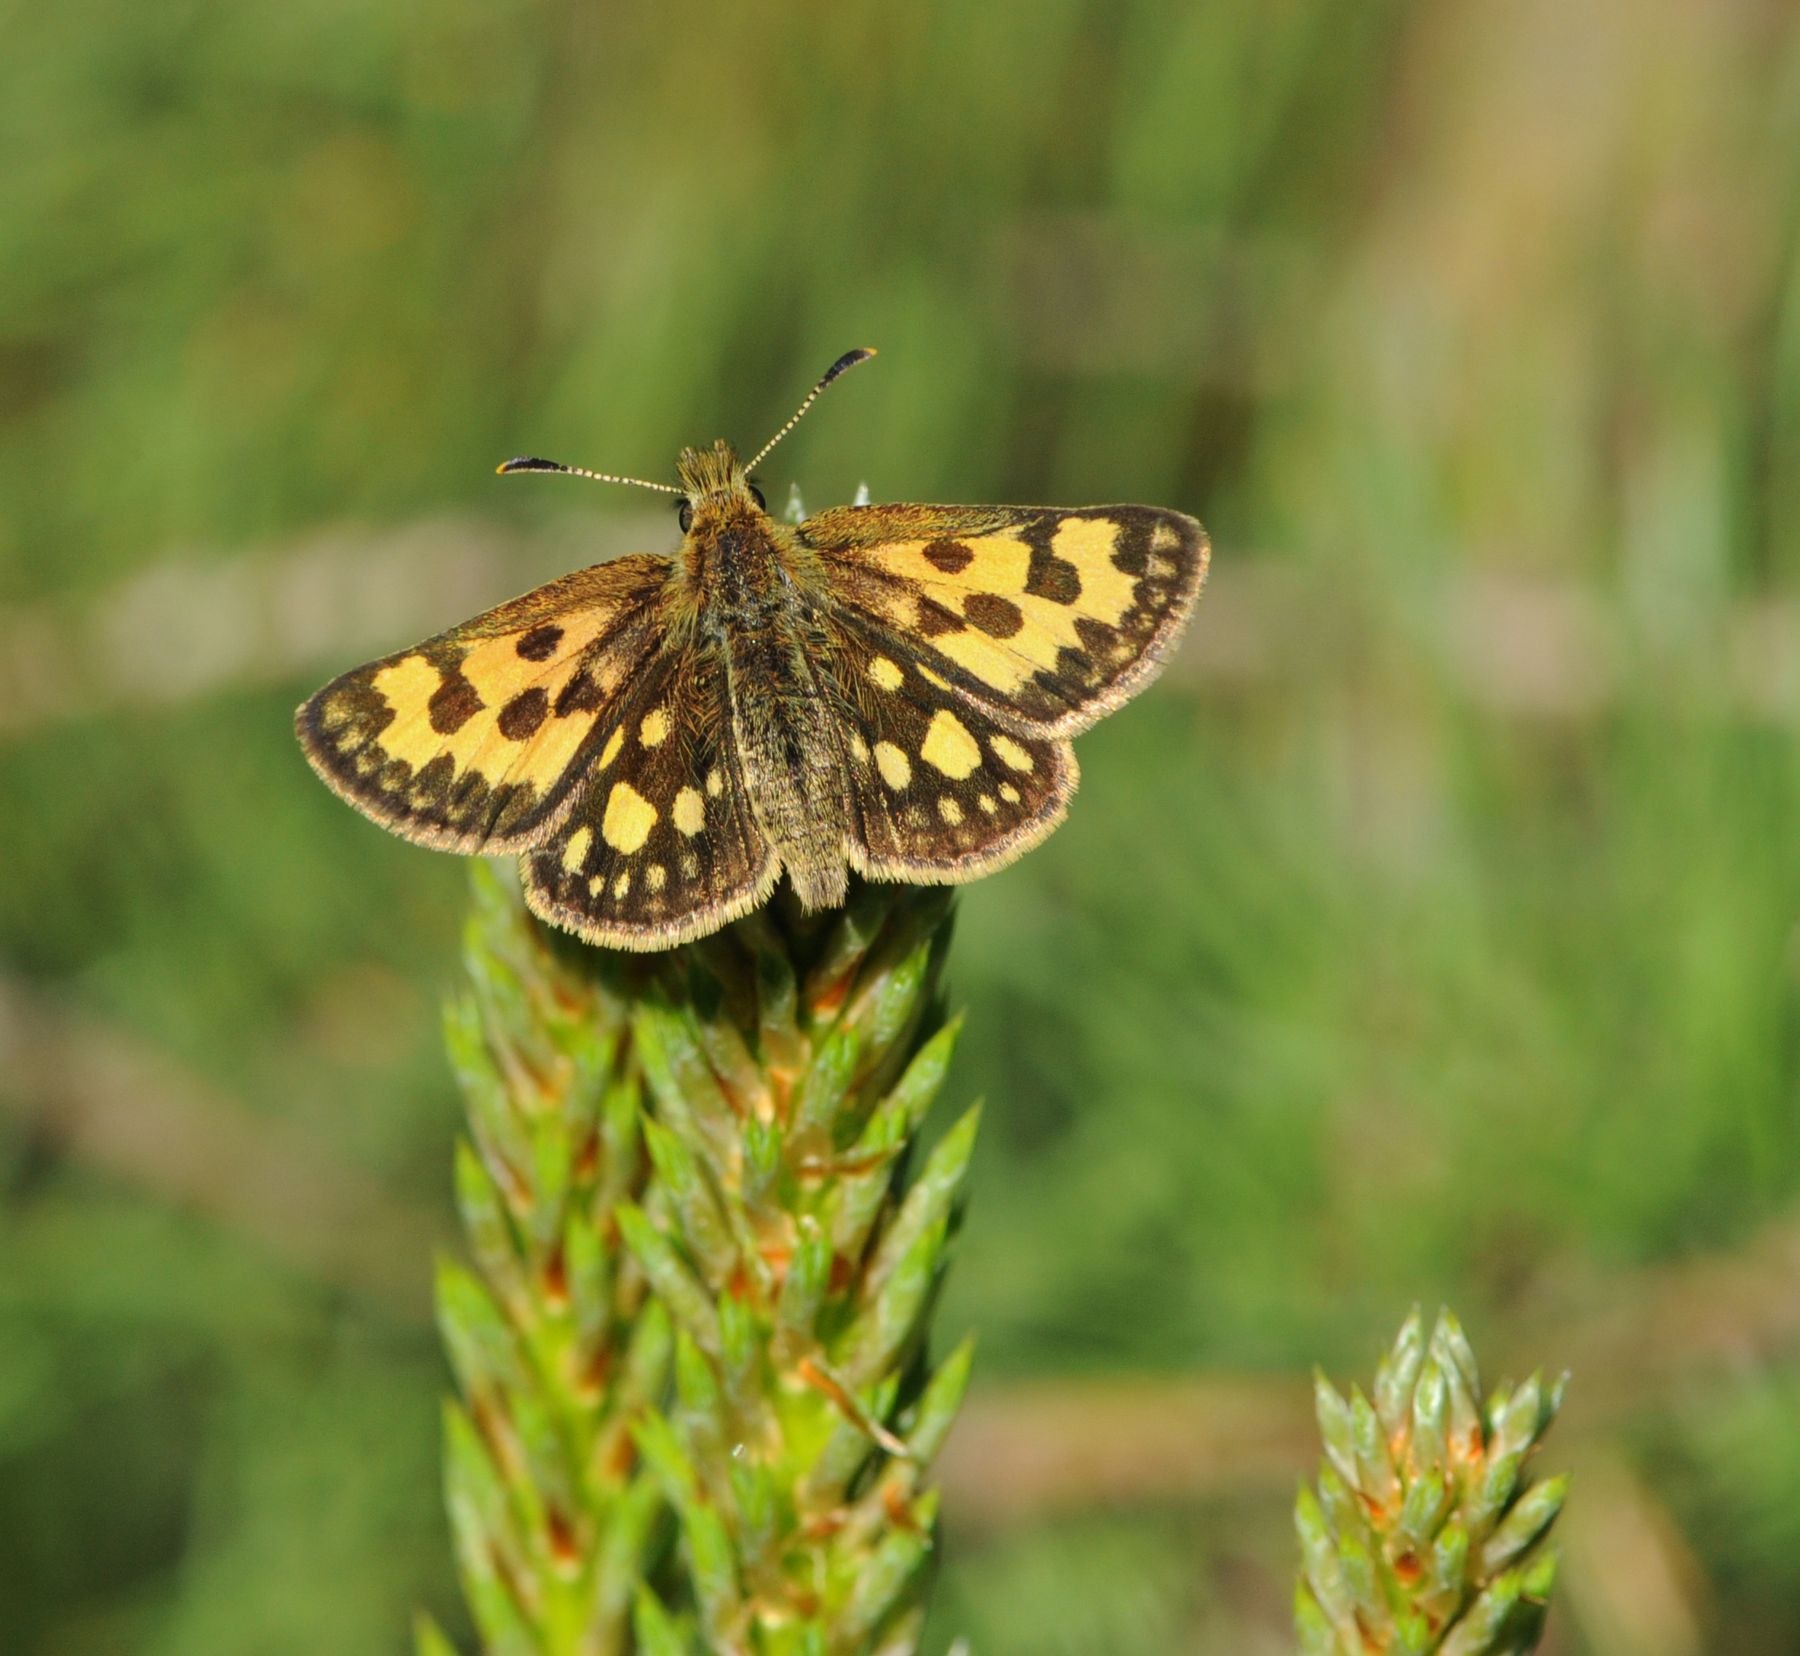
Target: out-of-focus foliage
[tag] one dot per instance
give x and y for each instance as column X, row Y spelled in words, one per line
column 1428, row 933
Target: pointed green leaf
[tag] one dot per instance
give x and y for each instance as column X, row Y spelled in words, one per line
column 713, row 1563
column 492, row 1117
column 654, row 1628
column 1480, row 1628
column 1424, row 1509
column 1445, row 1581
column 928, row 1203
column 552, row 1161
column 647, row 1357
column 673, row 1283
column 886, row 1325
column 694, row 1203
column 1398, row 1374
column 589, row 1264
column 758, row 1512
column 887, row 1582
column 666, row 1457
column 1337, row 1427
column 683, row 1083
column 1534, row 1512
column 481, row 1524
column 1323, row 1569
column 936, row 1411
column 1429, row 1444
column 802, row 1294
column 1375, row 1475
column 485, row 1221
column 483, row 1348
column 1520, row 1419
column 428, row 1638
column 623, row 1556
column 621, row 1126
column 824, row 1088
column 1314, row 1630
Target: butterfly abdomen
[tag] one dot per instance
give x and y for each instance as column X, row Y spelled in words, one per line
column 759, row 606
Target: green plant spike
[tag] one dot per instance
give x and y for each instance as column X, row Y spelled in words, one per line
column 696, row 1412
column 1427, row 1534
column 789, row 1063
column 558, row 1347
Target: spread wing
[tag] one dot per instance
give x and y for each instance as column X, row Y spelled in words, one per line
column 476, row 740
column 1047, row 619
column 660, row 846
column 939, row 791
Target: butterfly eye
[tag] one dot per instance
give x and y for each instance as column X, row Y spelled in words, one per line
column 684, row 514
column 756, row 494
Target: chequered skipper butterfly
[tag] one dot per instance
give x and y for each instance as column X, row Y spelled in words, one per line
column 888, row 690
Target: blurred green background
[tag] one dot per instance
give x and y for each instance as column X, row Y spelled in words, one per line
column 1429, row 932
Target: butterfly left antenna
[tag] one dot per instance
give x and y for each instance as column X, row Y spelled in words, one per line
column 528, row 463
column 843, row 365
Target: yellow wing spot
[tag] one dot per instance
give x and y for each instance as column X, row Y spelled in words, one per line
column 689, row 814
column 994, row 664
column 1106, row 590
column 406, row 683
column 655, row 728
column 656, row 876
column 628, row 820
column 895, row 767
column 575, row 852
column 936, row 680
column 335, row 714
column 1163, row 537
column 622, row 885
column 986, row 802
column 1009, row 793
column 613, row 743
column 690, row 866
column 596, row 885
column 715, row 782
column 1010, row 753
column 949, row 810
column 885, row 673
column 859, row 749
column 368, row 762
column 949, row 746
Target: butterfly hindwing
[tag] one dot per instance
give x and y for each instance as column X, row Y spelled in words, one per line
column 939, row 790
column 660, row 846
column 475, row 740
column 1048, row 618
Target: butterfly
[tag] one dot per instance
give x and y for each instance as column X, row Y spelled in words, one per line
column 880, row 690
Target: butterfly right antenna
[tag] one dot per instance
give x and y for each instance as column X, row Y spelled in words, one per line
column 843, row 365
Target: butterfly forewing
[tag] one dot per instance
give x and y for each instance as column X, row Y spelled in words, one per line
column 1049, row 619
column 660, row 845
column 475, row 739
column 939, row 790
